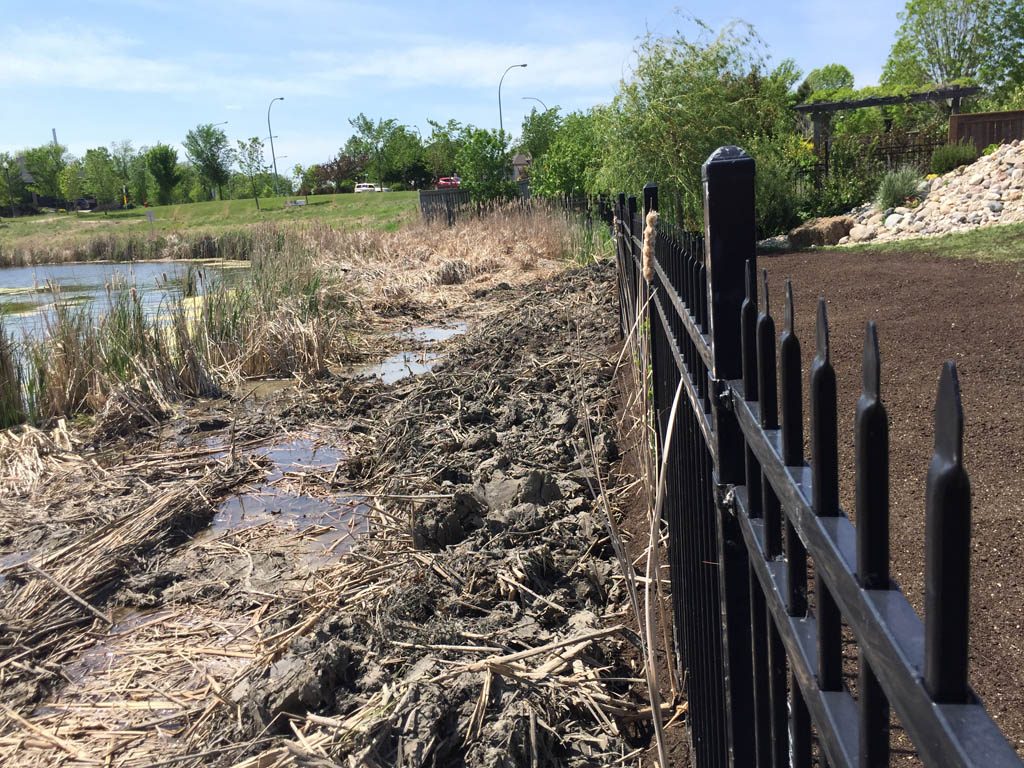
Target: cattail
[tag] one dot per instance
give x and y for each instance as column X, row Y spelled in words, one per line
column 650, row 232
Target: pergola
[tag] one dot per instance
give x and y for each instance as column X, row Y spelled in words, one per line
column 821, row 112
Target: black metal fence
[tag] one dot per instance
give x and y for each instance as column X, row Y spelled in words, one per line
column 752, row 520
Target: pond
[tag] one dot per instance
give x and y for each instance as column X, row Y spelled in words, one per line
column 27, row 294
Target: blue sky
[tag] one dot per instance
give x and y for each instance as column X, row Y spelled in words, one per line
column 148, row 70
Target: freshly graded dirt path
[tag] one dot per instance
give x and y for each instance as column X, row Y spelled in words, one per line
column 930, row 310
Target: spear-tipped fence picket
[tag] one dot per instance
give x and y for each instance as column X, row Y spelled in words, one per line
column 747, row 514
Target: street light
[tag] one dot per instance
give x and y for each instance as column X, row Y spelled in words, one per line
column 214, row 125
column 534, row 98
column 270, row 133
column 10, row 190
column 501, row 121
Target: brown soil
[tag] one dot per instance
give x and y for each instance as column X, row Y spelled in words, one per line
column 930, row 310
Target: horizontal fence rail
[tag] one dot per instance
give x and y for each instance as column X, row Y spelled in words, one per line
column 766, row 568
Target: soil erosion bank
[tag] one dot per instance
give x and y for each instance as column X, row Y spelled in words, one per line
column 479, row 619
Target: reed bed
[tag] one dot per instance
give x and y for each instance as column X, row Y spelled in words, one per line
column 264, row 652
column 309, row 301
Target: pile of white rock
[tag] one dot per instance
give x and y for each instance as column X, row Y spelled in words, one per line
column 989, row 191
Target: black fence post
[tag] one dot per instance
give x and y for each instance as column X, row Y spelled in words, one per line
column 728, row 176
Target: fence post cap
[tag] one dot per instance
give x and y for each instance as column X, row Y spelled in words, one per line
column 725, row 157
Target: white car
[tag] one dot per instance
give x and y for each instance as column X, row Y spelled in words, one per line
column 367, row 188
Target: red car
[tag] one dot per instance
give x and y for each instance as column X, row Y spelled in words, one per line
column 448, row 182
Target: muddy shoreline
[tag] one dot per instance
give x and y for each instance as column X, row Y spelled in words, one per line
column 448, row 596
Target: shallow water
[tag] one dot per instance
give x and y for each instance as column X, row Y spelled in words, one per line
column 412, row 362
column 279, row 499
column 27, row 293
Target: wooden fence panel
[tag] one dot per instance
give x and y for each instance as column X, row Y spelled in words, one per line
column 984, row 128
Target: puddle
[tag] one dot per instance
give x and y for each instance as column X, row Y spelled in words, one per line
column 330, row 524
column 412, row 362
column 434, row 334
column 398, row 367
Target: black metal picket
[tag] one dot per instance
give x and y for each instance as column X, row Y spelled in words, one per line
column 749, row 517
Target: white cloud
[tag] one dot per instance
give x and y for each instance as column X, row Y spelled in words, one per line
column 93, row 60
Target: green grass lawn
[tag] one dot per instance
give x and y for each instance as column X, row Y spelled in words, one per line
column 1002, row 242
column 385, row 211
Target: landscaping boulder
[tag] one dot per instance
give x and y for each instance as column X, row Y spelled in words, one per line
column 825, row 231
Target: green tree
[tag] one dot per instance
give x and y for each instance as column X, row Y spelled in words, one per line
column 404, row 153
column 940, row 41
column 16, row 192
column 252, row 161
column 101, row 177
column 442, row 147
column 162, row 162
column 71, row 181
column 44, row 164
column 485, row 165
column 370, row 139
column 569, row 165
column 831, row 77
column 539, row 129
column 685, row 99
column 207, row 147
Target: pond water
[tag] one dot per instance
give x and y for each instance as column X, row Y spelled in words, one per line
column 27, row 294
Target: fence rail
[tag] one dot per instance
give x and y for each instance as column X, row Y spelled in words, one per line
column 749, row 517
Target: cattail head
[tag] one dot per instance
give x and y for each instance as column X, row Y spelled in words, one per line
column 650, row 232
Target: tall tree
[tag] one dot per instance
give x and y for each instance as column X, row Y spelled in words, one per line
column 71, row 181
column 251, row 159
column 162, row 162
column 371, row 137
column 539, row 129
column 442, row 147
column 101, row 177
column 939, row 41
column 831, row 77
column 568, row 166
column 485, row 164
column 208, row 149
column 44, row 164
column 686, row 98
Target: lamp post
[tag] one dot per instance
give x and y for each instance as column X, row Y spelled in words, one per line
column 10, row 190
column 270, row 133
column 214, row 125
column 501, row 121
column 534, row 98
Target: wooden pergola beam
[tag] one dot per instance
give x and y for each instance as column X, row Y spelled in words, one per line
column 955, row 92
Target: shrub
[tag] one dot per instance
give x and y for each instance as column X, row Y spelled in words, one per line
column 950, row 156
column 896, row 187
column 990, row 149
column 779, row 193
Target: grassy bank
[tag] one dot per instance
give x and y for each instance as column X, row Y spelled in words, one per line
column 312, row 293
column 190, row 230
column 996, row 243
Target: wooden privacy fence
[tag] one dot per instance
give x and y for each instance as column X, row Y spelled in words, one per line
column 443, row 204
column 751, row 520
column 984, row 128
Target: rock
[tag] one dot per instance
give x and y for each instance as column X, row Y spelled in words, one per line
column 995, row 206
column 893, row 220
column 824, row 231
column 861, row 233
